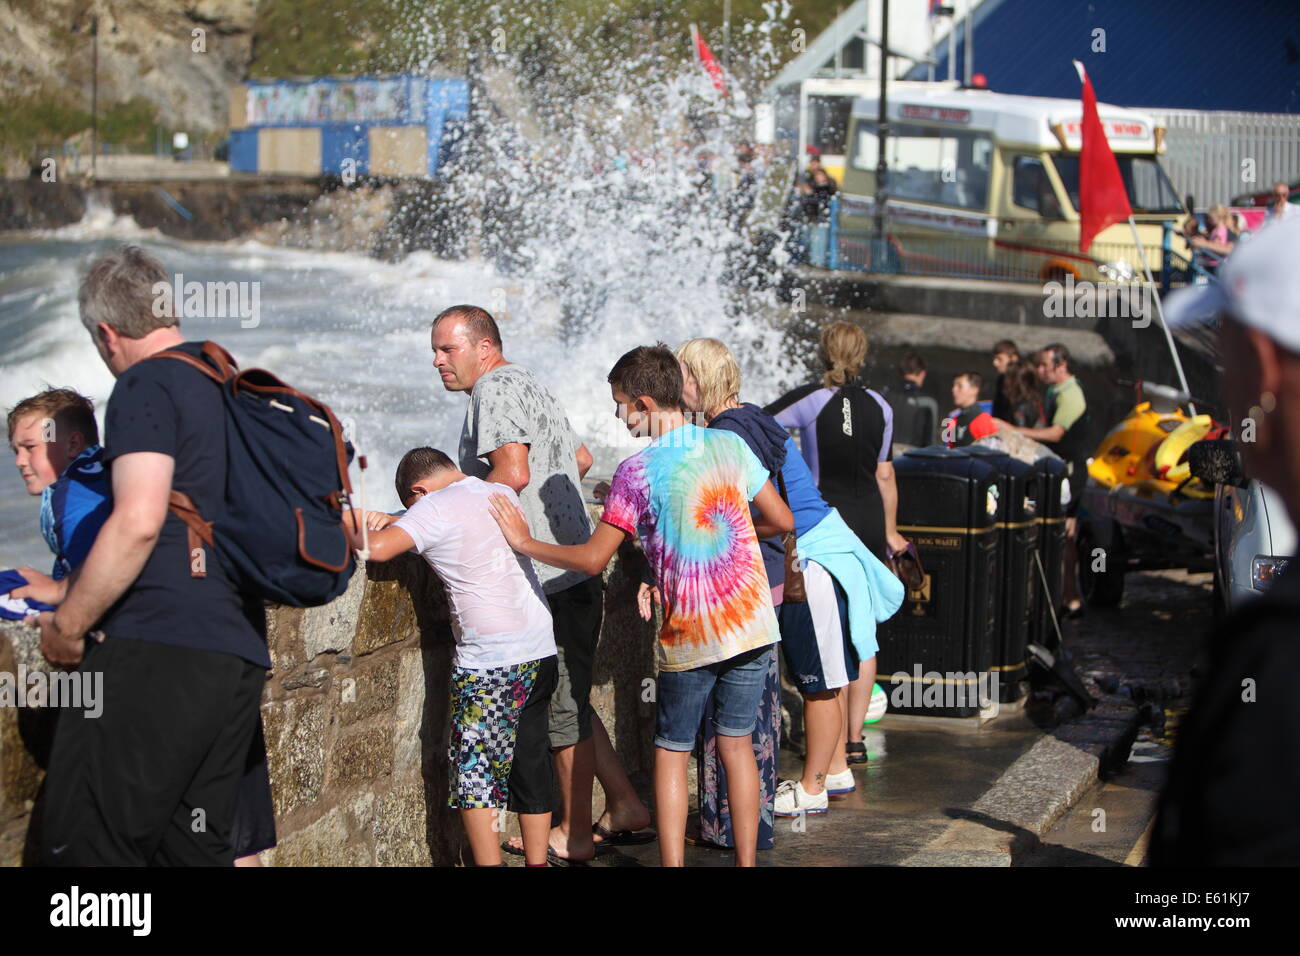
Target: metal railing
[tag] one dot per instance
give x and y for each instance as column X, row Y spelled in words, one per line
column 907, row 251
column 1177, row 269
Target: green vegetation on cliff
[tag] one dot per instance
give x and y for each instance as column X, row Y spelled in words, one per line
column 48, row 118
column 314, row 37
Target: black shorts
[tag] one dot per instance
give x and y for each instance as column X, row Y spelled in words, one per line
column 152, row 780
column 815, row 635
column 254, row 826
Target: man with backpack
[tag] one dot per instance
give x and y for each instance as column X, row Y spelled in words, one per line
column 153, row 780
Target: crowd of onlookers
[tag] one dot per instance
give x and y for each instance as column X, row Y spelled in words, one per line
column 1213, row 241
column 1037, row 397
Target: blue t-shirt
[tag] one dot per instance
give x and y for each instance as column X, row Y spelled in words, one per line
column 74, row 508
column 768, row 440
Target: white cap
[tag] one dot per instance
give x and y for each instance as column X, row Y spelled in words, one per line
column 1259, row 286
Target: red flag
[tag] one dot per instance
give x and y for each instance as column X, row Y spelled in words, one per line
column 1103, row 200
column 710, row 61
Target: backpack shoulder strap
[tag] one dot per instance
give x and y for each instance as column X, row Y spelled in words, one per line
column 198, row 530
column 225, row 365
column 192, row 362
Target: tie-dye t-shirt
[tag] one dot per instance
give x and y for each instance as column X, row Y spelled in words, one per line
column 686, row 495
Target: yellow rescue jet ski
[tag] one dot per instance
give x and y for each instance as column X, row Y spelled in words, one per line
column 1142, row 509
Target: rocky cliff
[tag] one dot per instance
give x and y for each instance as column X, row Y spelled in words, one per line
column 180, row 55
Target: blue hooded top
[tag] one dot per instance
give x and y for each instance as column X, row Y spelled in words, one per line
column 773, row 446
column 74, row 508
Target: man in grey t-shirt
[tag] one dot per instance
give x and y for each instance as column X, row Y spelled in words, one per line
column 516, row 433
column 509, row 406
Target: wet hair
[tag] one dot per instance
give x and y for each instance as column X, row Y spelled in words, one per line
column 911, row 364
column 714, row 369
column 68, row 409
column 479, row 324
column 118, row 290
column 1056, row 354
column 416, row 465
column 649, row 370
column 843, row 350
column 1007, row 347
column 974, row 379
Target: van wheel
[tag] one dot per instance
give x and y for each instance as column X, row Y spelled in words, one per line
column 1101, row 575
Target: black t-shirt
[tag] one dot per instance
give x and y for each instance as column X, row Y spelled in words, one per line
column 1234, row 782
column 164, row 406
column 914, row 413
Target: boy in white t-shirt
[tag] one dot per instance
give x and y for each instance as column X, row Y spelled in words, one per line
column 504, row 667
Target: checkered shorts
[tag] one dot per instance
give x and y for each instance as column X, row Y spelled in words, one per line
column 486, row 708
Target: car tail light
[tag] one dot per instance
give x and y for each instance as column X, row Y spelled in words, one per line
column 1266, row 569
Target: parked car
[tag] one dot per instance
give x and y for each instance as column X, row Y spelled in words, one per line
column 1264, row 196
column 1253, row 535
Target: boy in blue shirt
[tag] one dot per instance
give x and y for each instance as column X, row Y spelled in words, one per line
column 56, row 448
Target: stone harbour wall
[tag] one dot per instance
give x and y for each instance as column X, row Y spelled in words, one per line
column 356, row 720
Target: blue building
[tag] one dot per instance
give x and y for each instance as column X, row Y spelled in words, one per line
column 391, row 126
column 1173, row 54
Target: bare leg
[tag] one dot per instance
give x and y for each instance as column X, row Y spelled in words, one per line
column 623, row 807
column 670, row 803
column 484, row 837
column 859, row 699
column 737, row 755
column 1070, row 584
column 536, row 828
column 576, row 769
column 251, row 860
column 823, row 721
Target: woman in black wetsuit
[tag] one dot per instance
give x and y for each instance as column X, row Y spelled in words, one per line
column 846, row 433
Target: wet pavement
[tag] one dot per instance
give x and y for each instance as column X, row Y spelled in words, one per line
column 1007, row 792
column 919, row 778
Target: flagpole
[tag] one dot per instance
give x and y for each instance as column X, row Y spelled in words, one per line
column 1160, row 313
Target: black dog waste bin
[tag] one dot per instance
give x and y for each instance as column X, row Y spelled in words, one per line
column 1020, row 486
column 935, row 653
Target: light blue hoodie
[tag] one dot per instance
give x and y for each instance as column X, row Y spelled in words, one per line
column 874, row 592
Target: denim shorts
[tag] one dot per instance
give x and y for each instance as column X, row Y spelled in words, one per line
column 737, row 686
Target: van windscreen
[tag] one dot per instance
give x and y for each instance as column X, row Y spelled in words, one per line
column 1149, row 189
column 930, row 164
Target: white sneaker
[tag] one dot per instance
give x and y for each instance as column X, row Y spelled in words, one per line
column 792, row 800
column 840, row 783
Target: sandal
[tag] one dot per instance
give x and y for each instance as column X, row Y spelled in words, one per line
column 552, row 858
column 855, row 752
column 612, row 838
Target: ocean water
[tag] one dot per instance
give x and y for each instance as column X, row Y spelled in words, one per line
column 354, row 331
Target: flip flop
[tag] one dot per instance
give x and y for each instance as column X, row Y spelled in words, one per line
column 553, row 858
column 612, row 838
